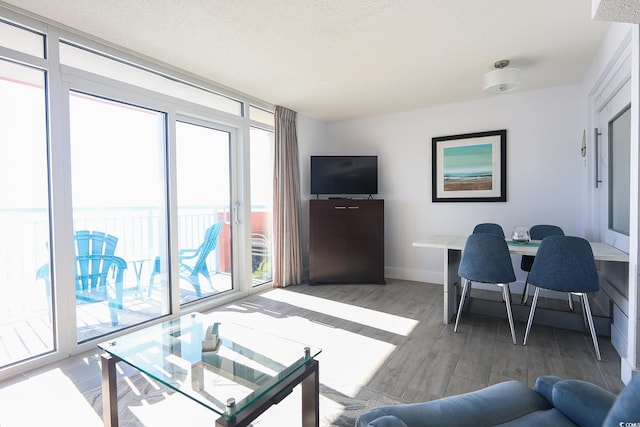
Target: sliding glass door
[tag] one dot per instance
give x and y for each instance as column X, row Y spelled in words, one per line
column 118, row 192
column 205, row 216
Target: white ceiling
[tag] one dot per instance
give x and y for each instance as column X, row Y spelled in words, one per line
column 342, row 59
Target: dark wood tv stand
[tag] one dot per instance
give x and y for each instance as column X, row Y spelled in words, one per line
column 346, row 241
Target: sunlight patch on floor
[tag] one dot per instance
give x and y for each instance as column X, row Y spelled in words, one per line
column 364, row 316
column 172, row 411
column 40, row 400
column 348, row 360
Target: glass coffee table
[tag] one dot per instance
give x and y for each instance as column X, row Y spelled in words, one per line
column 239, row 375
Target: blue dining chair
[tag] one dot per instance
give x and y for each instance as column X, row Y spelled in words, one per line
column 538, row 232
column 565, row 264
column 489, row 228
column 486, row 259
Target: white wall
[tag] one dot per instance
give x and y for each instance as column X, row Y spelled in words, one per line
column 544, row 132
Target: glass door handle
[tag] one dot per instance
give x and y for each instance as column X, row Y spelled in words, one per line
column 236, row 209
column 596, row 148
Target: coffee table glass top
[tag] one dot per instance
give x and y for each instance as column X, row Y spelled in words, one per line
column 243, row 365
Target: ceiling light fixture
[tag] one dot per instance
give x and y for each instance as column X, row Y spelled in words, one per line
column 502, row 79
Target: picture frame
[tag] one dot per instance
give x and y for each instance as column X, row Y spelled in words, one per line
column 470, row 167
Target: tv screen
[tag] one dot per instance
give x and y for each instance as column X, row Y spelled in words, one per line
column 344, row 175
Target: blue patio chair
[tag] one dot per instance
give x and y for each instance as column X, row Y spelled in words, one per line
column 193, row 262
column 96, row 267
column 486, row 259
column 565, row 264
column 99, row 273
column 44, row 273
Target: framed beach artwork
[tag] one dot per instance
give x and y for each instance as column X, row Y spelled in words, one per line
column 471, row 167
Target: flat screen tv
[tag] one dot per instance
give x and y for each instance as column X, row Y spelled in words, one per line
column 344, row 175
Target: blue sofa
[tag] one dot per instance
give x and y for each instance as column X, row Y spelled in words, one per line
column 555, row 402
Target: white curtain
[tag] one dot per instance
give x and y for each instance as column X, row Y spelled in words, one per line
column 287, row 246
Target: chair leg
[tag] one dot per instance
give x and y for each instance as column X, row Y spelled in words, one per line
column 587, row 309
column 113, row 311
column 465, row 288
column 205, row 272
column 507, row 300
column 468, row 299
column 569, row 296
column 525, row 292
column 532, row 312
column 195, row 282
column 585, row 320
column 154, row 271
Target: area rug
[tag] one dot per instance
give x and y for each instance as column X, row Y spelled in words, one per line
column 346, row 409
column 145, row 402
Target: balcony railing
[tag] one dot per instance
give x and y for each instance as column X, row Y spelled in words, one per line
column 137, row 230
column 26, row 250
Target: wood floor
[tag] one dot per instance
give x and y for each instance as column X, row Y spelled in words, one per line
column 386, row 339
column 432, row 361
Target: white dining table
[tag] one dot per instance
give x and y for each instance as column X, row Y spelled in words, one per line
column 453, row 245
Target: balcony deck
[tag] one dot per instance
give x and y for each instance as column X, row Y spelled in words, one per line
column 26, row 331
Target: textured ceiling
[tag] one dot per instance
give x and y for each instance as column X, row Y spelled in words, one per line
column 617, row 10
column 341, row 59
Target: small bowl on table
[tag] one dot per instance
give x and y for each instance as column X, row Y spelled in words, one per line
column 520, row 235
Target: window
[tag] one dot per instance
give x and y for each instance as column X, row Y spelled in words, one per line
column 613, row 139
column 21, row 39
column 619, row 171
column 26, row 310
column 103, row 65
column 116, row 155
column 262, row 116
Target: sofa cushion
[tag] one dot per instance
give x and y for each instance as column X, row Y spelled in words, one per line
column 387, row 421
column 584, row 403
column 626, row 409
column 549, row 417
column 544, row 386
column 493, row 405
